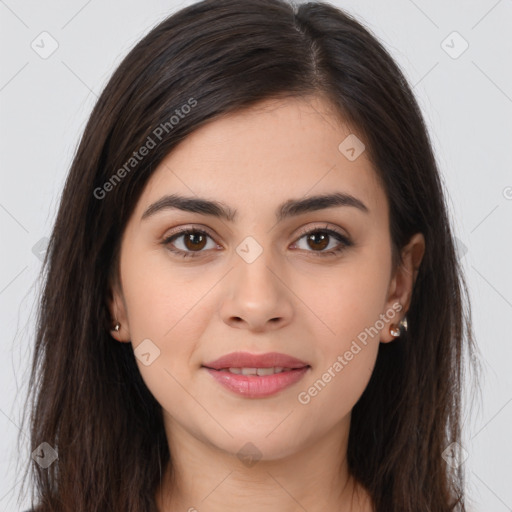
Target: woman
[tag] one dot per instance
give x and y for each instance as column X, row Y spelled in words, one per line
column 252, row 296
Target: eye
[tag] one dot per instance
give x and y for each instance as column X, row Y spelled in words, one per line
column 193, row 243
column 321, row 238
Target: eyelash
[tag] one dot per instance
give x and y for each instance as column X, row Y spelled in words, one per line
column 344, row 241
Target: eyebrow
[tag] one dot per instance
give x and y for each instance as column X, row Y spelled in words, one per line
column 290, row 208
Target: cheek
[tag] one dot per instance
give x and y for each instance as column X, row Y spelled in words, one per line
column 163, row 307
column 345, row 359
column 166, row 307
column 348, row 302
column 346, row 299
column 162, row 298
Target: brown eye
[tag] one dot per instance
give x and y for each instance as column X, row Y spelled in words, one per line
column 317, row 240
column 192, row 241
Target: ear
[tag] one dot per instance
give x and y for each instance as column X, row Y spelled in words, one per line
column 402, row 282
column 118, row 313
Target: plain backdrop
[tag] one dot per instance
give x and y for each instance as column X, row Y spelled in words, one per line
column 456, row 55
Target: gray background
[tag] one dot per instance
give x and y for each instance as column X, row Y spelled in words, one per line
column 467, row 102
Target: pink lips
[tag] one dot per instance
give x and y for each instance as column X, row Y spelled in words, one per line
column 247, row 360
column 255, row 386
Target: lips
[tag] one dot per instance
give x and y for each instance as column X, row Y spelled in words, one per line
column 257, row 375
column 247, row 360
column 254, row 386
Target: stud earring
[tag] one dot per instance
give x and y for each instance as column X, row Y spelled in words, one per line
column 116, row 327
column 394, row 329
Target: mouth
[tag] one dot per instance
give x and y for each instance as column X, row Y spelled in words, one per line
column 256, row 376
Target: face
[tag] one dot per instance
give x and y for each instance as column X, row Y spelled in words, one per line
column 312, row 281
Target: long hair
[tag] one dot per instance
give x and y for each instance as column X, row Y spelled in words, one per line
column 88, row 400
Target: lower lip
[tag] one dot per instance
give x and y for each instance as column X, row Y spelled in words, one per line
column 253, row 386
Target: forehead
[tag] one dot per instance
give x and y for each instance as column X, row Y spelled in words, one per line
column 273, row 151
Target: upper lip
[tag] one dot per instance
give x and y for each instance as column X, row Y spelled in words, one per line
column 247, row 360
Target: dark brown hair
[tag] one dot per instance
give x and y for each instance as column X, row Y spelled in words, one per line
column 88, row 400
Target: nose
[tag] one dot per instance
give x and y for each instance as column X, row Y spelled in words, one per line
column 257, row 296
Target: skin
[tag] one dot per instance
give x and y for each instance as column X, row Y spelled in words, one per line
column 289, row 300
